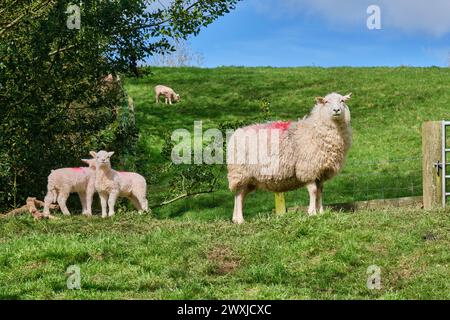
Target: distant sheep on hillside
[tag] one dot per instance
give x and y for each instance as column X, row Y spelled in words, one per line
column 310, row 152
column 168, row 93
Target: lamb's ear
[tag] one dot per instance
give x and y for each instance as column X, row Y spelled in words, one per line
column 93, row 154
column 86, row 161
column 347, row 97
column 110, row 154
column 320, row 100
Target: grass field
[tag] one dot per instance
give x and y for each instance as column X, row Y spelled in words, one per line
column 190, row 250
column 289, row 257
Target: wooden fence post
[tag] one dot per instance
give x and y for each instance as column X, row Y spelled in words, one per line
column 432, row 155
column 280, row 203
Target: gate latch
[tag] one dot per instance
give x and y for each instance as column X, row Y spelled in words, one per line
column 438, row 167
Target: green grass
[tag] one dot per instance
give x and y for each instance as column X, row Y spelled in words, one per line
column 288, row 257
column 190, row 250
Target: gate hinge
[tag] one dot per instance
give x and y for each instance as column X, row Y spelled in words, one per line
column 438, row 167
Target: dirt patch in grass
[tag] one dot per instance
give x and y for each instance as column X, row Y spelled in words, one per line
column 223, row 260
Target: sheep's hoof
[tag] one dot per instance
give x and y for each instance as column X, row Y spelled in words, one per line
column 238, row 221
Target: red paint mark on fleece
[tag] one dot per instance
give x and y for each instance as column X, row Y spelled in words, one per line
column 78, row 169
column 281, row 125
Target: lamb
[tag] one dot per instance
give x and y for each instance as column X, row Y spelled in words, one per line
column 63, row 182
column 168, row 93
column 111, row 184
column 310, row 152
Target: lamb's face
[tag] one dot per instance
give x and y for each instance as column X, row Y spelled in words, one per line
column 102, row 159
column 177, row 97
column 333, row 107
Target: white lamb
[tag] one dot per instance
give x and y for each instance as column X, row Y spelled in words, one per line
column 111, row 184
column 63, row 182
column 310, row 152
column 168, row 93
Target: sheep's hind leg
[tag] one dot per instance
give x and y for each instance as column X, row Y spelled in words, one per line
column 319, row 201
column 238, row 214
column 135, row 203
column 48, row 200
column 112, row 202
column 62, row 198
column 312, row 189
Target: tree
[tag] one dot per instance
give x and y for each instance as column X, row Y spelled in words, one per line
column 182, row 56
column 54, row 105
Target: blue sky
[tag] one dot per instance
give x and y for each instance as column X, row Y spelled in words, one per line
column 328, row 33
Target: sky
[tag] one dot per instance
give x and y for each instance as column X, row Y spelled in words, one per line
column 286, row 33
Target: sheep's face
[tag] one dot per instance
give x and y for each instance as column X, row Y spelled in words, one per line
column 102, row 158
column 334, row 108
column 177, row 97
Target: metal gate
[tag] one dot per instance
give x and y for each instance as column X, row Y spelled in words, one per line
column 445, row 162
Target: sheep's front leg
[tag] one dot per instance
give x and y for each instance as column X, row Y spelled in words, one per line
column 82, row 196
column 319, row 201
column 312, row 189
column 104, row 203
column 157, row 97
column 112, row 202
column 238, row 214
column 62, row 198
column 89, row 199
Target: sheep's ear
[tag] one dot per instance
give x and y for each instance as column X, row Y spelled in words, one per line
column 86, row 161
column 347, row 97
column 320, row 100
column 93, row 154
column 110, row 154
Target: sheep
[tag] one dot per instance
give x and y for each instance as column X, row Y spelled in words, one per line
column 62, row 182
column 168, row 93
column 310, row 152
column 111, row 184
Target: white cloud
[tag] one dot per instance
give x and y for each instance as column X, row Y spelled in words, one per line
column 430, row 17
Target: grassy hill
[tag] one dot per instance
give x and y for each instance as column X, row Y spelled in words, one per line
column 190, row 250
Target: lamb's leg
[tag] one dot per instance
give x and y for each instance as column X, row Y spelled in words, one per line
column 170, row 100
column 135, row 203
column 166, row 100
column 319, row 200
column 157, row 97
column 104, row 203
column 312, row 189
column 112, row 202
column 89, row 198
column 48, row 200
column 82, row 196
column 238, row 215
column 62, row 198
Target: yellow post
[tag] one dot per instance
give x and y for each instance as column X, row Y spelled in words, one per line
column 280, row 203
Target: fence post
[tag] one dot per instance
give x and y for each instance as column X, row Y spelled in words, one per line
column 280, row 203
column 432, row 155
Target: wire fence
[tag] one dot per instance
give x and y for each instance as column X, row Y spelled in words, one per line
column 377, row 179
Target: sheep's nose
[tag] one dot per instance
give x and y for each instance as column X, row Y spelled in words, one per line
column 337, row 111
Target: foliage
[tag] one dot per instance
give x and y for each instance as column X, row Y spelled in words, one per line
column 54, row 105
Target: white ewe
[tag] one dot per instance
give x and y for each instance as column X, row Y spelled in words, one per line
column 310, row 152
column 63, row 182
column 168, row 93
column 111, row 184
